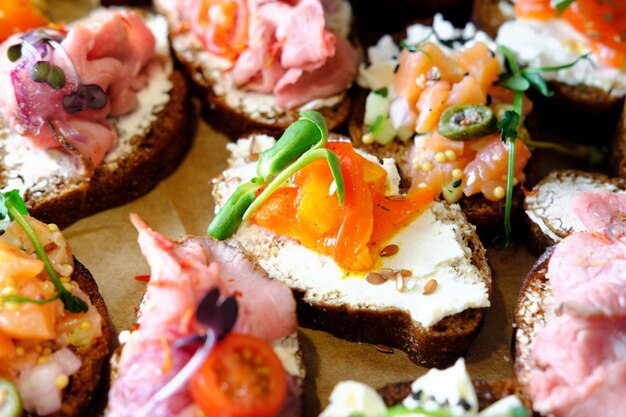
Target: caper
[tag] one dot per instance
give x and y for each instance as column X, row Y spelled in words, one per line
column 467, row 122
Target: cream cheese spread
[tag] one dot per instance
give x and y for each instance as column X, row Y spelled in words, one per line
column 556, row 42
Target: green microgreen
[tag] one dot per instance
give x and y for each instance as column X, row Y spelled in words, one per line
column 417, row 47
column 519, row 80
column 13, row 206
column 302, row 144
column 561, row 5
column 384, row 92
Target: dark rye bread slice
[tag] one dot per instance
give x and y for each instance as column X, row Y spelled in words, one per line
column 155, row 155
column 487, row 392
column 529, row 320
column 578, row 112
column 437, row 346
column 548, row 210
column 487, row 216
column 79, row 394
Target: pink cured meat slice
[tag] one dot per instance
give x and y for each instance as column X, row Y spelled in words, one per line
column 582, row 366
column 598, row 210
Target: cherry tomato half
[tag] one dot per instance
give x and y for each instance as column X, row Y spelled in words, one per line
column 242, row 377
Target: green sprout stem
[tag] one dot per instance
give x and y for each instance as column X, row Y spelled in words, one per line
column 306, row 159
column 71, row 302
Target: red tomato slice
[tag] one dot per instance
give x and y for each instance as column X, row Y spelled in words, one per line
column 242, row 377
column 18, row 16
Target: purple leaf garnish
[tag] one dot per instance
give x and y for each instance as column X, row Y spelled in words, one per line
column 220, row 316
column 90, row 96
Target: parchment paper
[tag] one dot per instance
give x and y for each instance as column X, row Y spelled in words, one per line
column 182, row 204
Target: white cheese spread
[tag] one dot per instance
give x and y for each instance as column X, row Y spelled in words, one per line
column 431, row 247
column 449, row 391
column 552, row 201
column 555, row 42
column 351, row 397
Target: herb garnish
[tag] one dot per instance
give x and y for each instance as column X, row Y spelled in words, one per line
column 518, row 80
column 302, row 144
column 417, row 47
column 402, row 411
column 12, row 205
column 561, row 5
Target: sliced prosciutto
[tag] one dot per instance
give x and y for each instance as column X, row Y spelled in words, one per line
column 110, row 51
column 280, row 47
column 181, row 275
column 583, row 367
column 580, row 355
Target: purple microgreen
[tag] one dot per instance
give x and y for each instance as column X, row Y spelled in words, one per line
column 90, row 96
column 194, row 339
column 216, row 313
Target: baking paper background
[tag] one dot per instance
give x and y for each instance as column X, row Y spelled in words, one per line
column 182, row 204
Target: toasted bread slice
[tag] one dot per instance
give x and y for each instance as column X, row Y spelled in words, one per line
column 487, row 392
column 341, row 311
column 230, row 110
column 548, row 207
column 529, row 320
column 78, row 396
column 487, row 216
column 152, row 141
column 287, row 348
column 595, row 110
column 618, row 150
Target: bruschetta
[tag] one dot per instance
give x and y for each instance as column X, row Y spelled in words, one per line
column 447, row 392
column 570, row 327
column 432, row 102
column 54, row 326
column 214, row 336
column 384, row 266
column 255, row 63
column 589, row 96
column 94, row 113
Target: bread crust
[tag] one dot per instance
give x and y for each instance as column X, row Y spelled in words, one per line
column 487, row 392
column 234, row 123
column 529, row 319
column 79, row 394
column 155, row 156
column 487, row 216
column 438, row 346
column 534, row 238
column 618, row 154
column 594, row 111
